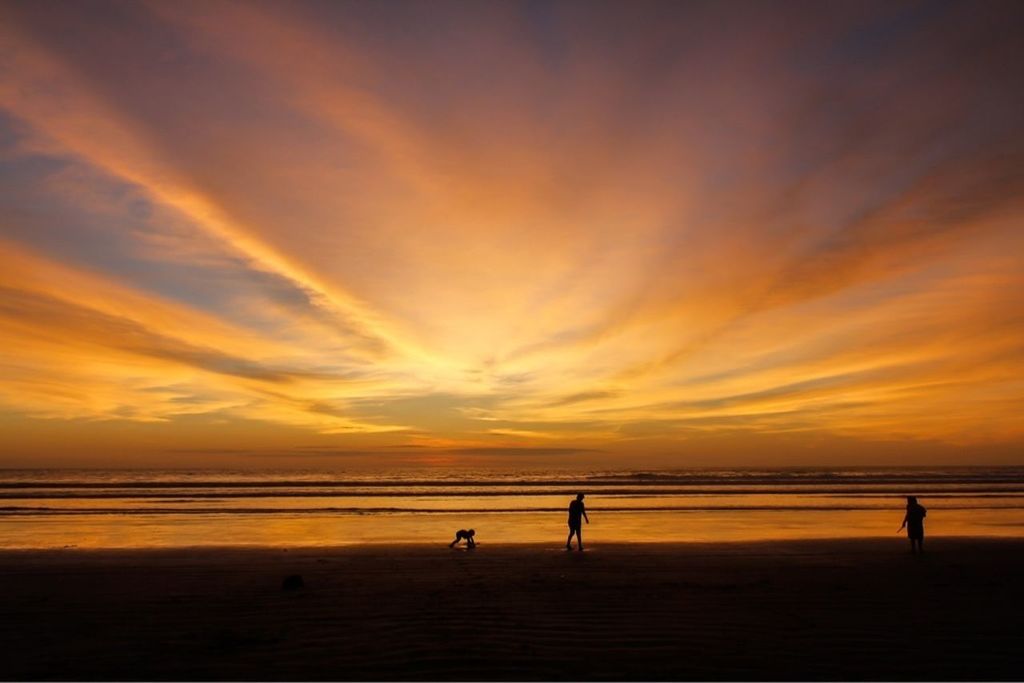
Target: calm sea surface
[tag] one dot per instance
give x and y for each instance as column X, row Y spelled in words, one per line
column 151, row 508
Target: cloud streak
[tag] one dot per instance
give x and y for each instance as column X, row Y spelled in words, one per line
column 555, row 229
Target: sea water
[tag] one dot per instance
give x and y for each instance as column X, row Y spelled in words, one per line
column 178, row 508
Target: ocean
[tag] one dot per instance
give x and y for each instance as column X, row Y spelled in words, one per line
column 183, row 508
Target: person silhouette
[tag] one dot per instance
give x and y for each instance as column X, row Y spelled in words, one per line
column 466, row 534
column 914, row 522
column 577, row 513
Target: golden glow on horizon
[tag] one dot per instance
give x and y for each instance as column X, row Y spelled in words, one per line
column 504, row 234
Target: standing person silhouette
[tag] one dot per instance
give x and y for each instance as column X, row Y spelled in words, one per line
column 914, row 522
column 577, row 513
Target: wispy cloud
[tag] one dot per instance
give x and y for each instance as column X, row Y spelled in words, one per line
column 500, row 228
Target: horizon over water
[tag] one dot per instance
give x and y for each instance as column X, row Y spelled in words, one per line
column 58, row 508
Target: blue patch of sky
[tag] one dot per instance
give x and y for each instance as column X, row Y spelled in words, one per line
column 102, row 233
column 876, row 41
column 547, row 31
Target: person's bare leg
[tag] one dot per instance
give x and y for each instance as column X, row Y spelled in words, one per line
column 452, row 544
column 579, row 538
column 568, row 541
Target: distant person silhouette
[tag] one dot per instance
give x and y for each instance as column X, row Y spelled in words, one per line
column 464, row 534
column 914, row 522
column 577, row 513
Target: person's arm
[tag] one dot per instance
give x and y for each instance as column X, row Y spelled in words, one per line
column 903, row 524
column 585, row 515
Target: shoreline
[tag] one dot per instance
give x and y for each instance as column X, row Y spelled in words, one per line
column 845, row 542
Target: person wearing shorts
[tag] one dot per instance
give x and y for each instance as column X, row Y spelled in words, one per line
column 914, row 523
column 577, row 513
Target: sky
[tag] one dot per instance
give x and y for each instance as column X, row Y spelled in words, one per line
column 570, row 234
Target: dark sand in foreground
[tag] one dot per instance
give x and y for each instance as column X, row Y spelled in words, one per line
column 794, row 610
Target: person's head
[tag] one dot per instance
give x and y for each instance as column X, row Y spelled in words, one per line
column 911, row 500
column 580, row 496
column 470, row 533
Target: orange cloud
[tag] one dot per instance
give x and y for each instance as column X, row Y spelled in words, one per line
column 504, row 228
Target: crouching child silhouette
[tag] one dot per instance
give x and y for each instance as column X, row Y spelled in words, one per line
column 464, row 534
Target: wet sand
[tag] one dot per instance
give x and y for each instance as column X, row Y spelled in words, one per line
column 856, row 609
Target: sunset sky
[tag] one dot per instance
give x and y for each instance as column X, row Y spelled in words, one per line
column 318, row 234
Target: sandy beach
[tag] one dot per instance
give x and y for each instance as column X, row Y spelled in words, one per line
column 861, row 609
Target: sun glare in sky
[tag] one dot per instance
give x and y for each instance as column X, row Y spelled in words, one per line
column 278, row 233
